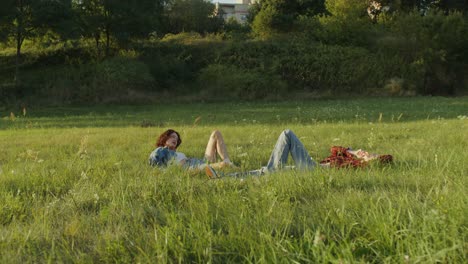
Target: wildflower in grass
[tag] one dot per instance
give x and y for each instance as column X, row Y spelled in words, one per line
column 196, row 121
column 318, row 238
column 83, row 152
column 29, row 155
column 96, row 198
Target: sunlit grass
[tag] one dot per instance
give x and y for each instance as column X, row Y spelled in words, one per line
column 75, row 185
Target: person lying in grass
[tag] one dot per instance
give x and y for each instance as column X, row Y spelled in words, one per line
column 342, row 157
column 289, row 143
column 166, row 152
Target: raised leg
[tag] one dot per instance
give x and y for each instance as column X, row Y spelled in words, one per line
column 216, row 146
column 289, row 143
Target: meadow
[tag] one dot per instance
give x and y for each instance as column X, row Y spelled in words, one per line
column 76, row 187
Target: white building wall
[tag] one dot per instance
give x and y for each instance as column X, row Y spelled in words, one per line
column 238, row 9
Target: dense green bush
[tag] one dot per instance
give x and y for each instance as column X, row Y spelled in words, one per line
column 183, row 38
column 176, row 64
column 401, row 54
column 226, row 82
column 310, row 66
column 330, row 67
column 120, row 73
column 346, row 23
column 233, row 30
column 110, row 80
column 332, row 47
column 434, row 46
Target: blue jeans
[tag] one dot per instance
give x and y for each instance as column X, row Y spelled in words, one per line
column 287, row 143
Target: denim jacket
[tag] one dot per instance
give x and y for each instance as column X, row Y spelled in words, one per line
column 162, row 156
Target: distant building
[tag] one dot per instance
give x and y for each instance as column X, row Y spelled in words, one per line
column 237, row 9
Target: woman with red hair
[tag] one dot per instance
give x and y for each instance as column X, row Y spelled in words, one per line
column 166, row 152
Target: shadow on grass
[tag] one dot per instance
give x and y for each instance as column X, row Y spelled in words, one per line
column 370, row 110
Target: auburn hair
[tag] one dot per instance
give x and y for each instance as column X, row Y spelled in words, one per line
column 165, row 136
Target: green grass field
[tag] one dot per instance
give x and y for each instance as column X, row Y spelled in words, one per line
column 75, row 185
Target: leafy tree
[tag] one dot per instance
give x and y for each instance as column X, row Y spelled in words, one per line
column 91, row 19
column 265, row 23
column 253, row 11
column 448, row 5
column 118, row 19
column 274, row 16
column 22, row 19
column 347, row 9
column 346, row 23
column 138, row 18
column 5, row 19
column 424, row 5
column 235, row 30
column 192, row 15
column 434, row 46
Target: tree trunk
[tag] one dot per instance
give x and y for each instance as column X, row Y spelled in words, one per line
column 96, row 38
column 107, row 40
column 19, row 41
column 18, row 56
column 426, row 82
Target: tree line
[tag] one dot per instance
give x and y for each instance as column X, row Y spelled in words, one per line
column 102, row 20
column 368, row 24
